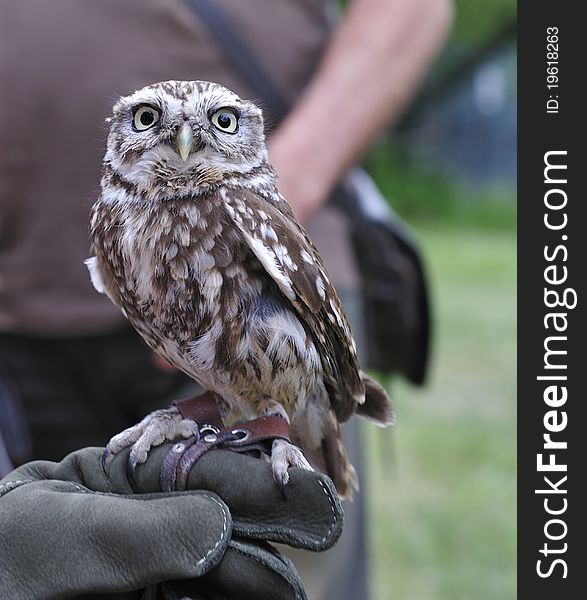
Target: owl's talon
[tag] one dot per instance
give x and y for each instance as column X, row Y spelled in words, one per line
column 153, row 430
column 103, row 458
column 284, row 455
column 131, row 468
column 281, row 485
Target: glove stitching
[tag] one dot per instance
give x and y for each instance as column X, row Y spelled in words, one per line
column 10, row 485
column 224, row 525
column 224, row 522
column 331, row 508
column 84, row 491
column 267, row 565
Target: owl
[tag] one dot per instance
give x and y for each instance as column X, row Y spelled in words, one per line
column 194, row 243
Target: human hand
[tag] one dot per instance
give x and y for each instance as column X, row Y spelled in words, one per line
column 76, row 527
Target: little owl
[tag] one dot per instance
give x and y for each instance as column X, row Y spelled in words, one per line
column 204, row 257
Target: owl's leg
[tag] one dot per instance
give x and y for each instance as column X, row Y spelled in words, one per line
column 154, row 429
column 283, row 453
column 283, row 456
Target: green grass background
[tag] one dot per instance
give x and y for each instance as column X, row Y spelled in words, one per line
column 442, row 483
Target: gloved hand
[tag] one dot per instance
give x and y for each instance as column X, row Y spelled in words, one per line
column 76, row 527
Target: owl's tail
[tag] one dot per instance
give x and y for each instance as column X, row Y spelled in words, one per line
column 337, row 463
column 377, row 406
column 329, row 454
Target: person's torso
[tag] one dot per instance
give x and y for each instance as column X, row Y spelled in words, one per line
column 63, row 63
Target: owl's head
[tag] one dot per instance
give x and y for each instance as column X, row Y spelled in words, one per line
column 180, row 137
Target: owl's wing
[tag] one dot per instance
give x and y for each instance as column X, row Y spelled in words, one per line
column 282, row 246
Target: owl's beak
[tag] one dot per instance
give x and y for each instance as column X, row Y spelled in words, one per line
column 184, row 141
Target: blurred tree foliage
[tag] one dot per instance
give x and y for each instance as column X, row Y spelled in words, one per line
column 420, row 194
column 476, row 21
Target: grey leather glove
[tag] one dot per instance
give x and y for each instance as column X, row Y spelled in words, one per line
column 74, row 527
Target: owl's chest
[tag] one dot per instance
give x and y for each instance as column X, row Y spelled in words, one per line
column 177, row 272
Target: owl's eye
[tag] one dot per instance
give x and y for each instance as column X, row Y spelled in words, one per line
column 225, row 119
column 144, row 117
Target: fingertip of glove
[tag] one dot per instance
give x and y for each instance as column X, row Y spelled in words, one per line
column 192, row 531
column 216, row 549
column 311, row 518
column 272, row 573
column 331, row 527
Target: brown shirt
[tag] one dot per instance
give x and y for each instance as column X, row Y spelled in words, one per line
column 62, row 65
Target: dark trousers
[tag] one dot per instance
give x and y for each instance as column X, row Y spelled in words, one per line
column 79, row 392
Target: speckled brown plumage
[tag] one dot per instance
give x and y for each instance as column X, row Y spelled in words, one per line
column 206, row 260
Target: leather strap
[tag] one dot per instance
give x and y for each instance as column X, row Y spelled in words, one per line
column 242, row 56
column 252, row 436
column 201, row 409
column 261, row 429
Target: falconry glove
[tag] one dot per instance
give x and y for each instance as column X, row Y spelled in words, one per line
column 79, row 527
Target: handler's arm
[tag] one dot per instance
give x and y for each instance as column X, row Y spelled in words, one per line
column 370, row 70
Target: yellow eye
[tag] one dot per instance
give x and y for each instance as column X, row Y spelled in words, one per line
column 226, row 120
column 144, row 117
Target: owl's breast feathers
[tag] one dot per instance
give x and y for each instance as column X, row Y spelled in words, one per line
column 190, row 272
